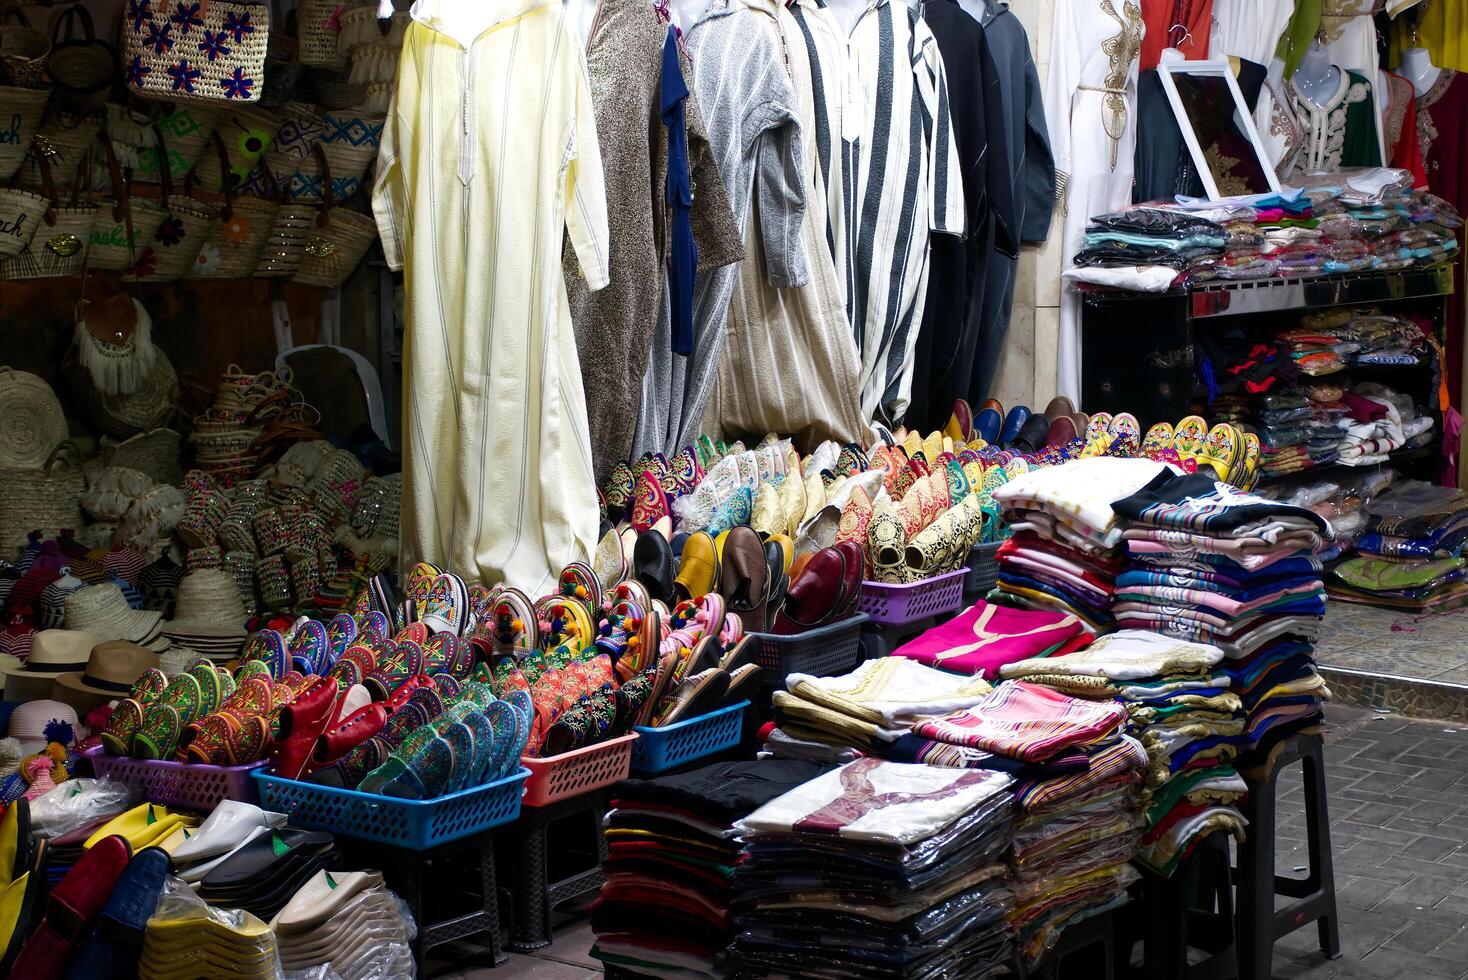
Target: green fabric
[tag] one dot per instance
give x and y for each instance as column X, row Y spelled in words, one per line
column 1372, row 574
column 1361, row 148
column 1298, row 34
column 1165, row 797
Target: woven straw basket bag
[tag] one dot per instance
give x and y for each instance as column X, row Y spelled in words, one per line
column 46, row 499
column 31, row 421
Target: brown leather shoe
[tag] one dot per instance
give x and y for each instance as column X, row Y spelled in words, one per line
column 1059, row 405
column 744, row 578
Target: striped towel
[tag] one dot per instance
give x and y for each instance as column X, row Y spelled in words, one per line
column 1029, row 722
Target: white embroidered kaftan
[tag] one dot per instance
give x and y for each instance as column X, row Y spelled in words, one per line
column 488, row 157
column 1090, row 110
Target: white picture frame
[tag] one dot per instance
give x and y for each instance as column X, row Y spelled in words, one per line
column 1172, row 64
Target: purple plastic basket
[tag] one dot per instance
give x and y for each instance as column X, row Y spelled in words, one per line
column 188, row 785
column 894, row 605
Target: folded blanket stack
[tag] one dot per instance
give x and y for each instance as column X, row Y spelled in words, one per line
column 1181, row 710
column 664, row 910
column 869, row 711
column 1066, row 548
column 876, row 870
column 1410, row 551
column 1214, row 565
column 1078, row 819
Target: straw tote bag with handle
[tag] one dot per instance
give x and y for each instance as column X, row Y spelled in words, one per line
column 64, row 139
column 59, row 247
column 114, row 244
column 168, row 251
column 210, row 51
column 23, row 51
column 336, row 241
column 23, row 110
column 82, row 67
column 237, row 236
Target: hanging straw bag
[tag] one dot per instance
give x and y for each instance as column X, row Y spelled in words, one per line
column 60, row 245
column 210, row 51
column 286, row 246
column 247, row 133
column 20, row 217
column 336, row 243
column 24, row 108
column 23, row 51
column 31, row 421
column 350, row 143
column 238, row 234
column 114, row 244
column 64, row 140
column 168, row 252
column 46, row 498
column 318, row 22
column 82, row 68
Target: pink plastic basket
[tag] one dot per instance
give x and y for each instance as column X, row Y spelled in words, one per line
column 191, row 786
column 894, row 605
column 558, row 777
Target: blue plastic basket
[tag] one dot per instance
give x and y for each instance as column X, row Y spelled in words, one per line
column 415, row 824
column 660, row 749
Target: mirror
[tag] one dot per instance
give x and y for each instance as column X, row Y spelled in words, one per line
column 1218, row 128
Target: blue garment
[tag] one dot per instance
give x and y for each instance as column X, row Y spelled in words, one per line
column 683, row 252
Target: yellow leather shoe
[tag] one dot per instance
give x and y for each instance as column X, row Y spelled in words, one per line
column 912, row 445
column 698, row 567
column 142, row 826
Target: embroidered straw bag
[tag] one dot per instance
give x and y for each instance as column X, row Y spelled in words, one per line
column 121, row 219
column 168, row 251
column 20, row 217
column 350, row 143
column 59, row 247
column 238, row 234
column 335, row 243
column 247, row 134
column 138, row 128
column 64, row 139
column 196, row 50
column 317, row 24
column 23, row 51
column 286, row 245
column 82, row 68
column 23, row 108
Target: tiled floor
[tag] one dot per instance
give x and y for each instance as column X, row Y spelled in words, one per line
column 1428, row 646
column 1399, row 827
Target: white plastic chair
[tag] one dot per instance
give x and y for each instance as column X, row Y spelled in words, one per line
column 366, row 373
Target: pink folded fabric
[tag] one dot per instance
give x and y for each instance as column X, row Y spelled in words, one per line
column 1029, row 722
column 985, row 637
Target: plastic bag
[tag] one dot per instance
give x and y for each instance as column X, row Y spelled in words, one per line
column 76, row 803
column 375, row 947
column 177, row 938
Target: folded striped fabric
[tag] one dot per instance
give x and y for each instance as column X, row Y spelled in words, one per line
column 1027, row 722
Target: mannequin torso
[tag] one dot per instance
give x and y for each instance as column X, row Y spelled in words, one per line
column 1417, row 68
column 1317, row 79
column 686, row 13
column 974, row 8
column 847, row 13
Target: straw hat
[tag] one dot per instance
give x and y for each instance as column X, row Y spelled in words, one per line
column 37, row 722
column 53, row 653
column 102, row 610
column 111, row 670
column 31, row 421
column 208, row 615
column 8, row 662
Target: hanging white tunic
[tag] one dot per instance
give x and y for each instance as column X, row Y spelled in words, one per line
column 1090, row 111
column 488, row 157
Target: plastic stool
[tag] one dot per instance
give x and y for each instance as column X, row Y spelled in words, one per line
column 1194, row 909
column 534, row 893
column 405, row 871
column 1260, row 925
column 1085, row 950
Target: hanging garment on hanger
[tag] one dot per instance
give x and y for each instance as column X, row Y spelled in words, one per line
column 1442, row 128
column 488, row 159
column 790, row 363
column 1399, row 123
column 1031, row 176
column 953, row 309
column 1248, row 29
column 1182, row 24
column 1341, row 132
column 750, row 108
column 1442, row 30
column 901, row 182
column 617, row 327
column 1090, row 107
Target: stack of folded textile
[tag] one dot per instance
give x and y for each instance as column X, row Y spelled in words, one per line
column 1148, row 236
column 349, row 921
column 869, row 711
column 877, row 869
column 1066, row 547
column 1410, row 551
column 1218, row 566
column 1180, row 708
column 262, row 875
column 1077, row 826
column 984, row 637
column 664, row 910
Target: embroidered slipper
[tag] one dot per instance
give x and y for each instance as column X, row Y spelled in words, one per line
column 1252, row 455
column 1236, row 471
column 1159, row 437
column 1126, row 435
column 1220, row 450
column 618, row 492
column 1189, row 437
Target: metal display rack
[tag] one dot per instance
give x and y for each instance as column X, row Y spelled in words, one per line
column 1139, row 348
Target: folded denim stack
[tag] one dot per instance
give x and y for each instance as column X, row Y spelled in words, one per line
column 870, row 711
column 349, row 922
column 1066, row 548
column 1076, row 828
column 1214, row 565
column 1410, row 551
column 1181, row 710
column 877, row 869
column 664, row 910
